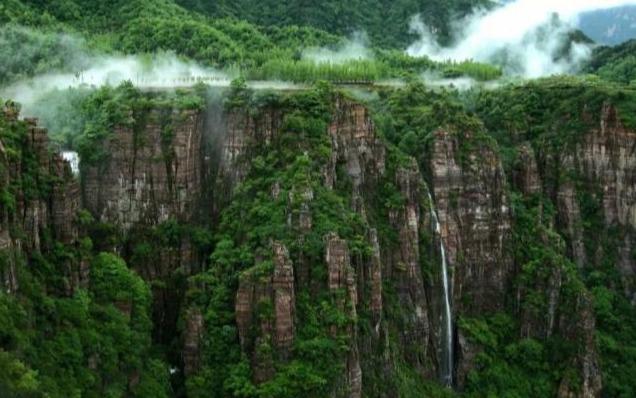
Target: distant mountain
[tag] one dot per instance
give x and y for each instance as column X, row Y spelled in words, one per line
column 612, row 26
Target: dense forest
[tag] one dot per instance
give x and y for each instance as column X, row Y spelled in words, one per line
column 278, row 200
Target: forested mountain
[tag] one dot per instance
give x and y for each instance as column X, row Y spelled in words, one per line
column 382, row 20
column 252, row 199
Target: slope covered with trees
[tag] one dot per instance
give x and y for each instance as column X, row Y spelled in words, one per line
column 384, row 21
column 258, row 49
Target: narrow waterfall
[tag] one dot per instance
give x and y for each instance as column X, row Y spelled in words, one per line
column 447, row 335
column 73, row 159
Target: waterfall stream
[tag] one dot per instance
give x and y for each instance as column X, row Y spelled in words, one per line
column 447, row 335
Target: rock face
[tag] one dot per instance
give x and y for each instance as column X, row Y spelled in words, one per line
column 153, row 173
column 341, row 278
column 605, row 159
column 239, row 135
column 284, row 299
column 587, row 362
column 152, row 176
column 192, row 342
column 28, row 219
column 356, row 146
column 410, row 221
column 469, row 188
column 386, row 281
column 258, row 292
column 357, row 165
column 603, row 163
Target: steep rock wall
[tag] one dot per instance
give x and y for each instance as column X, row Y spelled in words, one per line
column 152, row 173
column 26, row 215
column 387, row 286
column 605, row 159
column 469, row 188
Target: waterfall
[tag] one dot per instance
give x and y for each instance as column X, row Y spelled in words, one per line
column 447, row 348
column 73, row 159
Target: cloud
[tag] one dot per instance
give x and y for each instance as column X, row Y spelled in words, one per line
column 355, row 48
column 527, row 36
column 157, row 71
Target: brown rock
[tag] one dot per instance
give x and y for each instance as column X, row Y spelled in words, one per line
column 146, row 180
column 284, row 298
column 342, row 276
column 192, row 342
column 469, row 190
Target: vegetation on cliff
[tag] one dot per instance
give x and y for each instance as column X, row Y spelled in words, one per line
column 57, row 340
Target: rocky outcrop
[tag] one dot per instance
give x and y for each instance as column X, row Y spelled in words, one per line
column 361, row 157
column 265, row 307
column 375, row 278
column 284, row 299
column 570, row 218
column 152, row 172
column 525, row 174
column 469, row 188
column 604, row 159
column 239, row 136
column 356, row 164
column 355, row 146
column 409, row 221
column 40, row 201
column 361, row 154
column 342, row 282
column 193, row 336
column 588, row 383
column 593, row 180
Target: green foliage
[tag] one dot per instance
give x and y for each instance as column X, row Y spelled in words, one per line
column 64, row 113
column 506, row 366
column 385, row 21
column 615, row 315
column 615, row 338
column 413, row 114
column 51, row 340
column 551, row 114
column 355, row 71
column 385, row 65
column 16, row 379
column 616, row 64
column 206, row 44
column 31, row 183
column 270, row 51
column 239, row 95
column 29, row 52
column 478, row 71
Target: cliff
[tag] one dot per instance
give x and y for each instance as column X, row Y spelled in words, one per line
column 385, row 192
column 57, row 295
column 40, row 201
column 293, row 250
column 152, row 172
